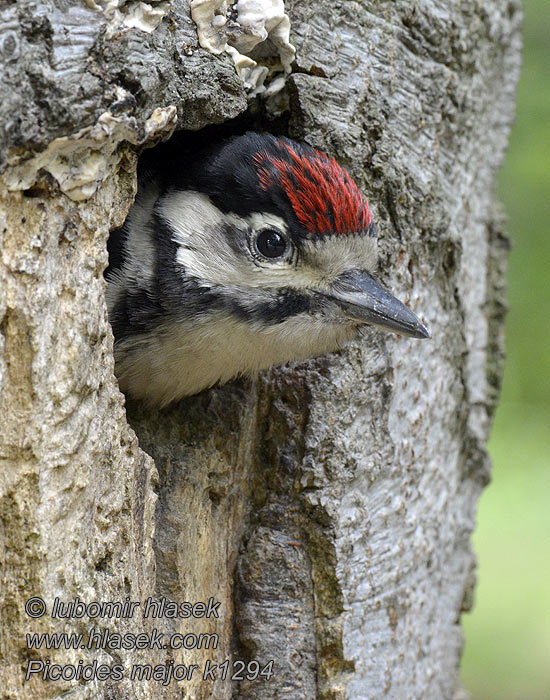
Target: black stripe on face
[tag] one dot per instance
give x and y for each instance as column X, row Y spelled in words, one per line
column 269, row 311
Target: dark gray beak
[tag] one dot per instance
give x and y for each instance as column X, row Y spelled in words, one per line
column 364, row 300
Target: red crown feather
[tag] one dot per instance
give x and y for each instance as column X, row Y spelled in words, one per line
column 322, row 194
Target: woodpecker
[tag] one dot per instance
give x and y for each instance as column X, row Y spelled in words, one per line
column 251, row 252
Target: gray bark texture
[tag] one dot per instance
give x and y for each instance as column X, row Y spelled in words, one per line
column 328, row 506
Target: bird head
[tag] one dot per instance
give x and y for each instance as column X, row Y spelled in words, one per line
column 284, row 231
column 266, row 252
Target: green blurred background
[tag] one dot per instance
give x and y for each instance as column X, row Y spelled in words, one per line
column 507, row 654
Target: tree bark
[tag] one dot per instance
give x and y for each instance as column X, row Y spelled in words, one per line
column 327, row 506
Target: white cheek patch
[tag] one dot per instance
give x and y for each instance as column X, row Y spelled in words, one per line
column 206, row 254
column 198, row 228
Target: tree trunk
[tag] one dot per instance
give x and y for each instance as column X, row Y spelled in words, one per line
column 327, row 506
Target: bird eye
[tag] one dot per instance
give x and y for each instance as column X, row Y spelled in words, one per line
column 270, row 243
